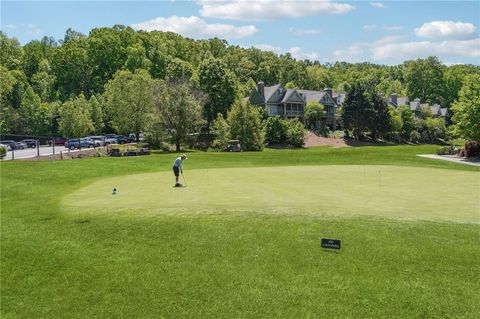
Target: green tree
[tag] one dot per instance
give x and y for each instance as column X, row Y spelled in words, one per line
column 129, row 101
column 357, row 111
column 221, row 131
column 179, row 69
column 246, row 126
column 314, row 112
column 178, row 110
column 466, row 110
column 43, row 80
column 396, row 123
column 11, row 52
column 424, row 79
column 32, row 114
column 276, row 130
column 97, row 115
column 75, row 117
column 71, row 69
column 219, row 84
column 379, row 118
column 137, row 58
column 408, row 121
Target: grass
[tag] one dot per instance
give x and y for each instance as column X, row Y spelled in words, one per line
column 58, row 263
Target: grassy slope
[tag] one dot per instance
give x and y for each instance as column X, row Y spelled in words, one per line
column 246, row 265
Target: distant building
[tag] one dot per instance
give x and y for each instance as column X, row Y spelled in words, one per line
column 416, row 106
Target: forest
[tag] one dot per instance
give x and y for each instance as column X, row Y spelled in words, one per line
column 83, row 84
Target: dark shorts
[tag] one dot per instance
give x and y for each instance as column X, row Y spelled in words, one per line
column 176, row 171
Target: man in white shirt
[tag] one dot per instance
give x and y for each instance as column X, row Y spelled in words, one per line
column 177, row 168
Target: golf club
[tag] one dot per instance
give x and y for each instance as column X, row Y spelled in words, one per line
column 184, row 181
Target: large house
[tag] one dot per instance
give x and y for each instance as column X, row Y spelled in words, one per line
column 290, row 103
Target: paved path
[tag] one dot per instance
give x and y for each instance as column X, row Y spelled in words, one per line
column 453, row 158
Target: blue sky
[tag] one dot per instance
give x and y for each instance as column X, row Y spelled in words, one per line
column 386, row 32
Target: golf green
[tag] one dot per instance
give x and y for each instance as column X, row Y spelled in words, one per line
column 389, row 191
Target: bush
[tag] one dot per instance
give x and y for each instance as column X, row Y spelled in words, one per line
column 246, row 126
column 221, row 132
column 472, row 148
column 295, row 133
column 276, row 130
column 448, row 150
column 415, row 137
column 3, row 152
column 314, row 112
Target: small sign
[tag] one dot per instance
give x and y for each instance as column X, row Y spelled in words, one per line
column 331, row 243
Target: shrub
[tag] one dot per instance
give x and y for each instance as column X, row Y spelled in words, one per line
column 295, row 133
column 246, row 126
column 415, row 137
column 221, row 132
column 472, row 148
column 3, row 152
column 276, row 130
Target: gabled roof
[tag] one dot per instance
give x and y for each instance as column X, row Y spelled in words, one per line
column 290, row 94
column 435, row 109
column 415, row 105
column 403, row 100
column 444, row 112
column 270, row 90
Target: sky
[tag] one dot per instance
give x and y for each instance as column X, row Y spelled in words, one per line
column 384, row 32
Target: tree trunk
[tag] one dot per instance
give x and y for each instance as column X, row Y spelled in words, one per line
column 177, row 146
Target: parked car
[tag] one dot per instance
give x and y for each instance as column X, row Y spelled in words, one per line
column 14, row 145
column 30, row 143
column 99, row 140
column 6, row 146
column 73, row 143
column 58, row 141
column 115, row 139
column 122, row 139
column 133, row 138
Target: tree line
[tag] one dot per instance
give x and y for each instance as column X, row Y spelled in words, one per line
column 121, row 80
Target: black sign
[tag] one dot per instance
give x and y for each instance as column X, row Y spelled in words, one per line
column 331, row 243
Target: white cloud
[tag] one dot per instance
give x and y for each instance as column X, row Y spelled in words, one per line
column 195, row 27
column 392, row 27
column 10, row 26
column 296, row 52
column 369, row 27
column 421, row 49
column 377, row 5
column 446, row 29
column 269, row 9
column 300, row 32
column 351, row 54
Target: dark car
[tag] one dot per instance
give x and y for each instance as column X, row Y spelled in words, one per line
column 30, row 143
column 14, row 145
column 74, row 143
column 121, row 139
column 115, row 139
column 58, row 141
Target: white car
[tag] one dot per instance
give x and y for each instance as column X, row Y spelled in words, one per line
column 7, row 147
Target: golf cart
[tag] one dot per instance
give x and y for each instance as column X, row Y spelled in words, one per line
column 233, row 146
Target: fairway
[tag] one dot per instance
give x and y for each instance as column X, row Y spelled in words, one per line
column 349, row 190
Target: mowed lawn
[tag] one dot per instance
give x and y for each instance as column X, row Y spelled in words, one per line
column 409, row 230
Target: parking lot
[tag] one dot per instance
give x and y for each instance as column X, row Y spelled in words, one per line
column 33, row 152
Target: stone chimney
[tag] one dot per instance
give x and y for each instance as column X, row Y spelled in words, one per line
column 393, row 98
column 261, row 88
column 329, row 91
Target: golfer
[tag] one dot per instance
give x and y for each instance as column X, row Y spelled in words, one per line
column 177, row 168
